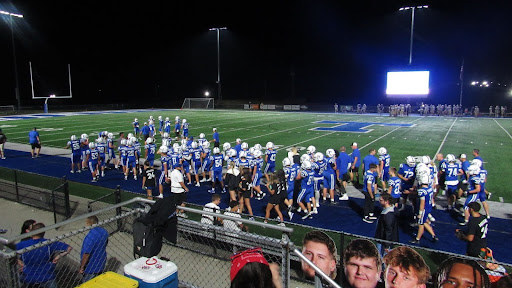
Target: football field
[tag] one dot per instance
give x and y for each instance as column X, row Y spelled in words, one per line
column 415, row 136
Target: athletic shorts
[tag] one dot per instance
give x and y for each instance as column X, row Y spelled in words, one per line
column 257, row 179
column 423, row 217
column 289, row 190
column 345, row 177
column 196, row 166
column 217, row 175
column 186, row 167
column 206, row 166
column 317, row 181
column 355, row 170
column 180, row 197
column 161, row 180
column 471, row 198
column 451, row 190
column 76, row 158
column 329, row 181
column 35, row 145
column 93, row 166
column 270, row 168
column 385, row 175
column 111, row 154
column 305, row 195
column 185, row 133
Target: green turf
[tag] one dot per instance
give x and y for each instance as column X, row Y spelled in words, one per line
column 288, row 129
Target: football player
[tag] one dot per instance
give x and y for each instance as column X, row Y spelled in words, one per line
column 84, row 145
column 111, row 150
column 201, row 139
column 394, row 186
column 369, row 189
column 307, row 193
column 291, row 171
column 92, row 158
column 131, row 158
column 164, row 160
column 76, row 153
column 440, row 174
column 330, row 175
column 318, row 166
column 384, row 164
column 185, row 128
column 257, row 164
column 177, row 129
column 238, row 145
column 206, row 162
column 242, row 161
column 195, row 151
column 167, row 126
column 151, row 128
column 407, row 175
column 473, row 191
column 452, row 170
column 102, row 149
column 425, row 194
column 356, row 162
column 122, row 154
column 216, row 161
column 186, row 157
column 135, row 124
column 150, row 149
column 161, row 125
column 482, row 195
column 270, row 159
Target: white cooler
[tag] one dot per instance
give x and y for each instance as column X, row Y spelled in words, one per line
column 153, row 273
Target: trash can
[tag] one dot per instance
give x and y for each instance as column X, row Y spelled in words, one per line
column 153, row 272
column 110, row 280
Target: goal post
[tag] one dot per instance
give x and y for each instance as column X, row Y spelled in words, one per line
column 198, row 103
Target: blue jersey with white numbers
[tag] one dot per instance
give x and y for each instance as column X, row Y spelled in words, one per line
column 258, row 164
column 151, row 148
column 427, row 194
column 242, row 163
column 131, row 153
column 185, row 126
column 407, row 172
column 369, row 178
column 177, row 127
column 291, row 173
column 161, row 122
column 216, row 161
column 394, row 183
column 75, row 147
column 473, row 181
column 319, row 168
column 451, row 171
column 165, row 162
column 196, row 154
column 102, row 149
column 94, row 155
column 271, row 156
column 167, row 126
column 483, row 177
column 387, row 161
column 307, row 179
column 329, row 170
column 175, row 160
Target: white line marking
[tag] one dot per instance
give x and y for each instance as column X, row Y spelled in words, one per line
column 445, row 136
column 503, row 128
column 501, row 199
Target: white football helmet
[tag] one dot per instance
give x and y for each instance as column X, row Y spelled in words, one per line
column 287, row 162
column 226, row 146
column 306, row 165
column 160, row 118
column 163, row 149
column 84, row 136
column 330, row 153
column 258, row 146
column 184, row 121
column 150, row 117
column 166, row 118
column 216, row 150
column 194, row 145
column 311, row 149
column 110, row 136
column 245, row 146
column 410, row 161
column 177, row 118
column 201, row 136
column 251, row 150
column 130, row 135
column 269, row 145
column 73, row 137
column 423, row 178
column 450, row 158
column 165, row 142
column 232, row 152
column 473, row 170
column 92, row 145
column 304, row 158
column 176, row 146
column 477, row 163
column 382, row 151
column 129, row 143
column 136, row 120
column 243, row 154
column 183, row 141
column 422, row 168
column 319, row 156
column 257, row 153
column 425, row 159
column 166, row 135
column 133, row 139
column 176, row 149
column 123, row 142
column 206, row 144
column 149, row 140
column 238, row 140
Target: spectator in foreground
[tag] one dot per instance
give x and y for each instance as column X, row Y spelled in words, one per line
column 3, row 139
column 250, row 269
column 26, row 227
column 35, row 142
column 405, row 268
column 38, row 265
column 94, row 250
column 456, row 272
column 387, row 225
column 362, row 264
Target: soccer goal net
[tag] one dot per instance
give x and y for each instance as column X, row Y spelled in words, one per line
column 198, row 103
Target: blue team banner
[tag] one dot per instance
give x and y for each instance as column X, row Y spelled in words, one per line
column 354, row 127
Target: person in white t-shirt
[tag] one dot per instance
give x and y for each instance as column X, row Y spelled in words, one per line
column 214, row 208
column 234, row 226
column 178, row 189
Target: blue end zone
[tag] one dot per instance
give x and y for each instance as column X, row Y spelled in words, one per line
column 354, row 127
column 346, row 216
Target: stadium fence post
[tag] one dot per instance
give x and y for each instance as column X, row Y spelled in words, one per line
column 66, row 198
column 117, row 196
column 16, row 186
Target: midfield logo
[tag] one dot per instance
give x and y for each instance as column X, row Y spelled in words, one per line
column 354, row 127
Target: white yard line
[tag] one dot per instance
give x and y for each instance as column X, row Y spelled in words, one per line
column 503, row 128
column 445, row 136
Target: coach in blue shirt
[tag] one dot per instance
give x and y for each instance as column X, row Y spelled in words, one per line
column 94, row 251
column 356, row 161
column 35, row 142
column 370, row 159
column 216, row 138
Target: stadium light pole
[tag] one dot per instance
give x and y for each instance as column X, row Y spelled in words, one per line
column 11, row 24
column 413, row 10
column 219, row 95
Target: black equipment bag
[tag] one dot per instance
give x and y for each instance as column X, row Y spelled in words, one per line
column 147, row 240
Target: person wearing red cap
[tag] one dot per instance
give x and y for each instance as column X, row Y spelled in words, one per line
column 250, row 269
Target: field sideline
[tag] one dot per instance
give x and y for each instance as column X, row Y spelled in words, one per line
column 413, row 135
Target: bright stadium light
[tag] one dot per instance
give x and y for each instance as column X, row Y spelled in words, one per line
column 206, row 93
column 474, row 83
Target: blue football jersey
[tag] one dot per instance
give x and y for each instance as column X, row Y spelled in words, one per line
column 451, row 171
column 427, row 194
column 395, row 183
column 387, row 161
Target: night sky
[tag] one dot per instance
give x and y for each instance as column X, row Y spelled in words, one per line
column 158, row 52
